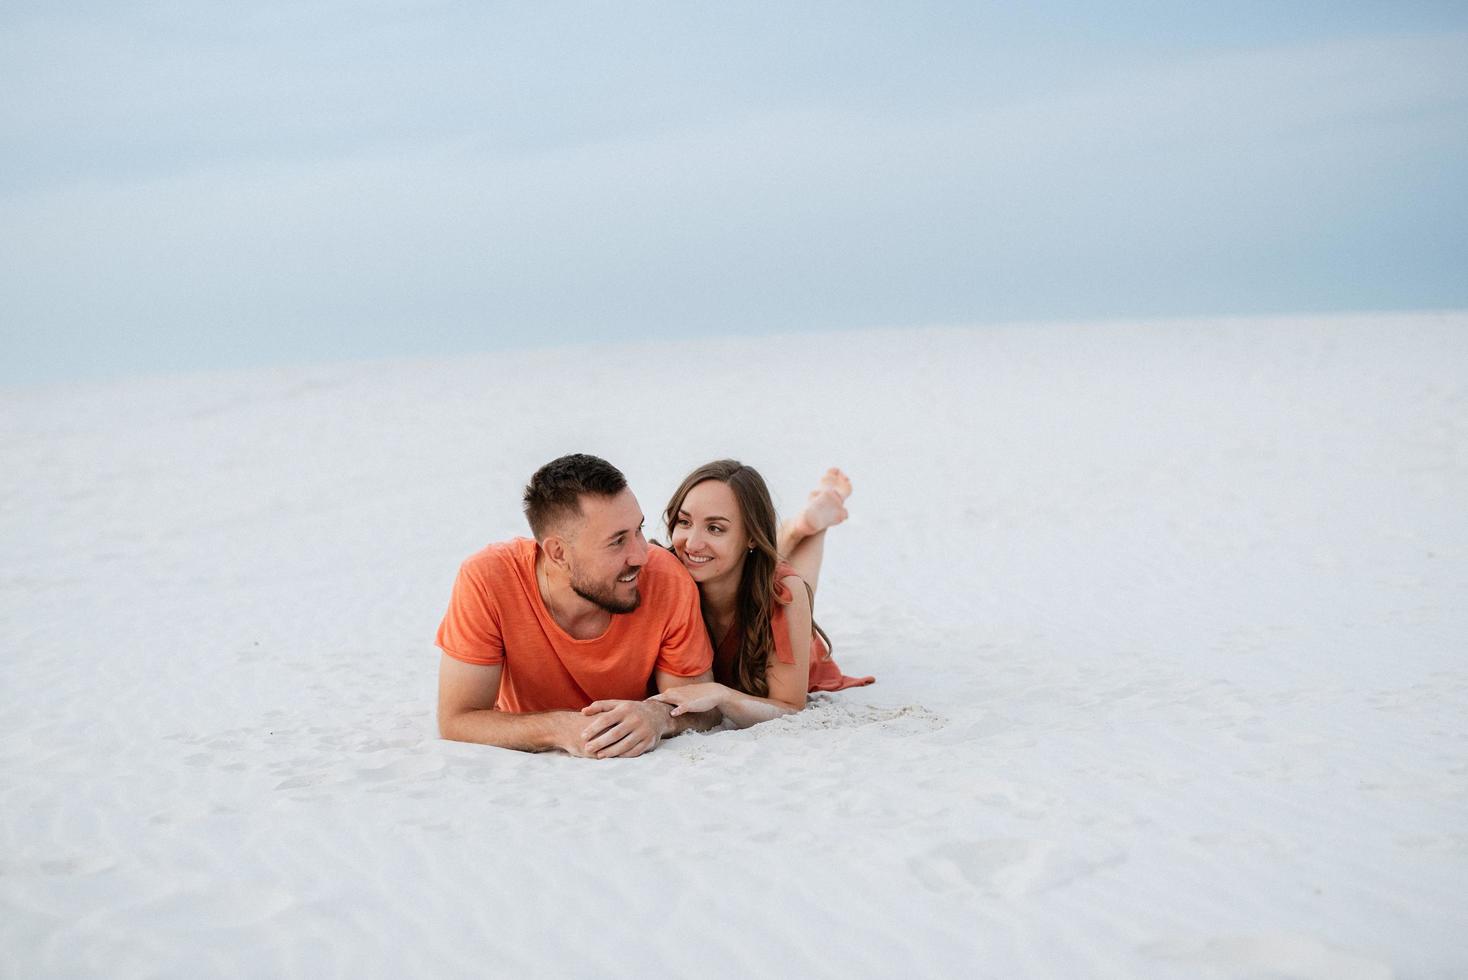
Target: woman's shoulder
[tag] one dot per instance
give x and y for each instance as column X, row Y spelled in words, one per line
column 790, row 614
column 788, row 584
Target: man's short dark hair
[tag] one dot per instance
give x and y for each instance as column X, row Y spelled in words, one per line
column 554, row 492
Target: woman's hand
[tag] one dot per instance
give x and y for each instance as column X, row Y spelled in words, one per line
column 693, row 698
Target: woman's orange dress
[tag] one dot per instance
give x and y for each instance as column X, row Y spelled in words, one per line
column 824, row 674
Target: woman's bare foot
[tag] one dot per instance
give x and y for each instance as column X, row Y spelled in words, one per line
column 834, row 479
column 827, row 504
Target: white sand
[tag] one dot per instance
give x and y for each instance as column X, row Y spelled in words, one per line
column 1168, row 621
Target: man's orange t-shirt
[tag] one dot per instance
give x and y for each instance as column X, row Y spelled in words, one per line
column 496, row 616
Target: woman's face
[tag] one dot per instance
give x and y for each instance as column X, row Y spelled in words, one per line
column 708, row 534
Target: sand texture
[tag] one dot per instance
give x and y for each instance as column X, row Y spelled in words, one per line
column 1169, row 621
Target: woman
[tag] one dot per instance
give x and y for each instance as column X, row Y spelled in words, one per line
column 768, row 652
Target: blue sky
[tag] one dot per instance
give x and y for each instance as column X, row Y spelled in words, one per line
column 201, row 185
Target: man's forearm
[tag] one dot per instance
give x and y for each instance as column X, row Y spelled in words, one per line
column 538, row 731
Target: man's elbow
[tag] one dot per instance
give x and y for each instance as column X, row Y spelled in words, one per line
column 450, row 725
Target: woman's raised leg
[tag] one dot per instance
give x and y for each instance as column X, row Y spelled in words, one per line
column 803, row 539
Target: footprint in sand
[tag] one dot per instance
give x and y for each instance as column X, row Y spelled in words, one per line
column 301, row 782
column 406, row 768
column 1285, row 955
column 1005, row 867
column 74, row 866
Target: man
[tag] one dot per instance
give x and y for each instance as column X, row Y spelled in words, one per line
column 551, row 643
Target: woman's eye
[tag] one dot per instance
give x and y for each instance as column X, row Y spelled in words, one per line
column 684, row 522
column 715, row 529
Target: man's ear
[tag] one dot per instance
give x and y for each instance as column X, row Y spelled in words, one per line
column 554, row 547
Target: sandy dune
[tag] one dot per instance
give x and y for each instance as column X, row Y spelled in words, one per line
column 1168, row 621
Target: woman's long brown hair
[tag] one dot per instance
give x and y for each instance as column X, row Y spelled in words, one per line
column 755, row 596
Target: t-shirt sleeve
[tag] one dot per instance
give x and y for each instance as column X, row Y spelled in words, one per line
column 685, row 650
column 470, row 630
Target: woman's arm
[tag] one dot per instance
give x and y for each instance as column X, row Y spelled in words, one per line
column 739, row 708
column 788, row 682
column 744, row 710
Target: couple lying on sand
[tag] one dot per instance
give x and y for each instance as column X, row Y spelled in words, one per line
column 556, row 642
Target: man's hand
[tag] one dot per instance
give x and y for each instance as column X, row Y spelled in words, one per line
column 568, row 733
column 623, row 728
column 692, row 698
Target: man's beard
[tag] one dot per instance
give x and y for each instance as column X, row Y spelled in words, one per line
column 605, row 597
